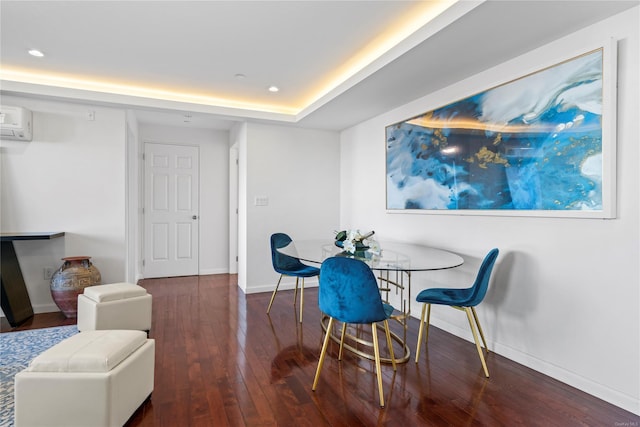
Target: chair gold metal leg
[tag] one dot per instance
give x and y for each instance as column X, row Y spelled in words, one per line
column 323, row 353
column 376, row 351
column 301, row 299
column 426, row 335
column 273, row 295
column 475, row 338
column 389, row 344
column 475, row 316
column 424, row 310
column 342, row 335
column 295, row 292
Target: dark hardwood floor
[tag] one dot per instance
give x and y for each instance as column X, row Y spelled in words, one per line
column 222, row 361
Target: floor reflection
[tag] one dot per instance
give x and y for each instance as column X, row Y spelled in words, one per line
column 290, row 356
column 453, row 398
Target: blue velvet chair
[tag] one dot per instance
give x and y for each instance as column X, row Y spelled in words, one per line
column 289, row 266
column 463, row 299
column 349, row 293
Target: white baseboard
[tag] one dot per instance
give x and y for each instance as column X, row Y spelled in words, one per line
column 45, row 308
column 614, row 397
column 203, row 272
column 208, row 271
column 40, row 308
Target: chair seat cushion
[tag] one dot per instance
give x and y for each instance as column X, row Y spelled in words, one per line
column 90, row 351
column 300, row 270
column 114, row 292
column 445, row 296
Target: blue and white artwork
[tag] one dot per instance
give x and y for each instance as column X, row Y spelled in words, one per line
column 531, row 144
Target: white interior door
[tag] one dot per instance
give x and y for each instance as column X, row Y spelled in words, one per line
column 171, row 210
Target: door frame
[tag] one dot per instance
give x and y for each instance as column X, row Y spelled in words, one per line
column 142, row 199
column 233, row 209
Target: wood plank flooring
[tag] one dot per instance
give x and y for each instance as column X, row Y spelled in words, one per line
column 222, row 361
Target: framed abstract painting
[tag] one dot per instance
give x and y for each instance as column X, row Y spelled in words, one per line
column 540, row 145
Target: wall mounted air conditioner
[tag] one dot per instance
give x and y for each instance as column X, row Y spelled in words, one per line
column 16, row 123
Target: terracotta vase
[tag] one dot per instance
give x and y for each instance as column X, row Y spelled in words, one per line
column 75, row 274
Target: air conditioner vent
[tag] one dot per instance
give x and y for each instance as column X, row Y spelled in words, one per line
column 16, row 123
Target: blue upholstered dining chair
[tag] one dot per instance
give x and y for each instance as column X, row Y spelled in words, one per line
column 289, row 266
column 463, row 299
column 349, row 293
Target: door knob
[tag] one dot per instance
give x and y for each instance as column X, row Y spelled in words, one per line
column 194, row 217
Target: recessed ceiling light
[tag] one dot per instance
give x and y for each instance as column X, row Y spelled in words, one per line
column 273, row 89
column 36, row 52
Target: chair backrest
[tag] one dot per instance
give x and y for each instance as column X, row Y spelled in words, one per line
column 281, row 262
column 349, row 291
column 481, row 284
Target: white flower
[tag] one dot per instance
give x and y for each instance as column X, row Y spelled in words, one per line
column 353, row 240
column 349, row 246
column 353, row 236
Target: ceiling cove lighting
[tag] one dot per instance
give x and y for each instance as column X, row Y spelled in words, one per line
column 136, row 91
column 36, row 53
column 420, row 15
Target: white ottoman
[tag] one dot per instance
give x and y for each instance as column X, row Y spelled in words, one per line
column 95, row 378
column 114, row 306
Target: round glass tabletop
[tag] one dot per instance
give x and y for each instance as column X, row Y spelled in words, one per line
column 395, row 256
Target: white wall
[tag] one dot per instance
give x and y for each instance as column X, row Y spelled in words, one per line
column 73, row 177
column 565, row 297
column 70, row 178
column 214, row 188
column 298, row 171
column 238, row 139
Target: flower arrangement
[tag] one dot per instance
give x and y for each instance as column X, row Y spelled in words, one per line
column 353, row 241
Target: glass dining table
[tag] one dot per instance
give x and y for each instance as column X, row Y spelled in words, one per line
column 393, row 264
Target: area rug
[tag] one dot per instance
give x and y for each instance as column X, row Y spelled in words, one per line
column 17, row 349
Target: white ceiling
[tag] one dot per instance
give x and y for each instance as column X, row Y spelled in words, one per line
column 194, row 49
